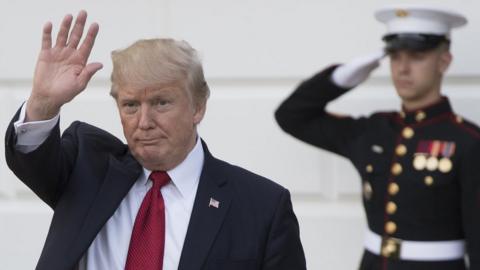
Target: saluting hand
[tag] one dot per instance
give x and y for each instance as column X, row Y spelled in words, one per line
column 62, row 71
column 358, row 70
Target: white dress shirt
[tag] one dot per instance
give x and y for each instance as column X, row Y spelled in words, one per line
column 110, row 247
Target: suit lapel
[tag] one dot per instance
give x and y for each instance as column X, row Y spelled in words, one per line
column 120, row 176
column 206, row 219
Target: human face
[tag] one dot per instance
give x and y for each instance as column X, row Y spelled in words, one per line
column 159, row 124
column 417, row 75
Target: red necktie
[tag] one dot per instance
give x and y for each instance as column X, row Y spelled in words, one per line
column 148, row 236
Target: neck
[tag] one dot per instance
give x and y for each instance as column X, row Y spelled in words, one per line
column 413, row 105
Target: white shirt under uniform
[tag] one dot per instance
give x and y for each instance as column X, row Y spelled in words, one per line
column 110, row 247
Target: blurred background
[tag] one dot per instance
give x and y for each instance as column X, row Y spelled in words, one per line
column 254, row 54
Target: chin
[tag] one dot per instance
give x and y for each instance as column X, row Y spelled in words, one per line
column 146, row 156
column 407, row 94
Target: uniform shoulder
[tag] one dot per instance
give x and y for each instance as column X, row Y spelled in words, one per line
column 468, row 126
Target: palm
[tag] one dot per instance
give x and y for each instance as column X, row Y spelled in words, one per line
column 57, row 72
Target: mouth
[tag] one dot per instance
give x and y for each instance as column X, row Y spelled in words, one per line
column 404, row 84
column 147, row 141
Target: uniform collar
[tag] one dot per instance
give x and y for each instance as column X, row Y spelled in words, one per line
column 420, row 115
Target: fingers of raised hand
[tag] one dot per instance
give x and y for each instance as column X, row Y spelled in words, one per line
column 63, row 32
column 47, row 36
column 89, row 40
column 77, row 31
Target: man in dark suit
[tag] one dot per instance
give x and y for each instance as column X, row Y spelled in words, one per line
column 160, row 202
column 418, row 167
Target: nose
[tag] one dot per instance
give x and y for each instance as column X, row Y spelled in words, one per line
column 404, row 65
column 146, row 120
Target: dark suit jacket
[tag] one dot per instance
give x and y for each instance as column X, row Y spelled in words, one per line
column 84, row 174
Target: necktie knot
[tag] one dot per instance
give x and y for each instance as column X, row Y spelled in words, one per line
column 159, row 179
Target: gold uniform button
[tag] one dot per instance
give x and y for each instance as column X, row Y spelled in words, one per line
column 401, row 150
column 428, row 180
column 393, row 189
column 408, row 133
column 397, row 169
column 369, row 168
column 391, row 208
column 420, row 116
column 459, row 119
column 390, row 227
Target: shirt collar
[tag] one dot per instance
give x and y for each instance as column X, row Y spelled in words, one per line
column 186, row 175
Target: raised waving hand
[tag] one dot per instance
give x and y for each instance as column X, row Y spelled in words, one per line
column 62, row 70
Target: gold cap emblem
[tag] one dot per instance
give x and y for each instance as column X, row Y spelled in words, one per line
column 401, row 13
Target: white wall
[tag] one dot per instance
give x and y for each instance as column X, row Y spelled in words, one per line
column 255, row 52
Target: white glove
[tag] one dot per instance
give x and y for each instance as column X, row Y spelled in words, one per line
column 356, row 71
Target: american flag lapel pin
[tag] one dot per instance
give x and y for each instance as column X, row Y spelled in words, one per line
column 214, row 203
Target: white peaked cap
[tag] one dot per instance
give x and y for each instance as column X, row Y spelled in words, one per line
column 419, row 19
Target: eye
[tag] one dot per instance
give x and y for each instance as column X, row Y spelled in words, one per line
column 418, row 55
column 161, row 103
column 393, row 56
column 129, row 107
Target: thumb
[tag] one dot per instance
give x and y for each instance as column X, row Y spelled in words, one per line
column 88, row 72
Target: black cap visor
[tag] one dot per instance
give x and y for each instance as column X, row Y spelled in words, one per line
column 413, row 42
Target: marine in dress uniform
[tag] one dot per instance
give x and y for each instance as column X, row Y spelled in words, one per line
column 419, row 167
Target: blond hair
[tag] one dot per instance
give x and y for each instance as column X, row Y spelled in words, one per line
column 151, row 62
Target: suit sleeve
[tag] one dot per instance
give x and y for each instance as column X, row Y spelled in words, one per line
column 303, row 115
column 284, row 250
column 46, row 169
column 470, row 188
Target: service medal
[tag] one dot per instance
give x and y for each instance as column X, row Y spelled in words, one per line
column 420, row 162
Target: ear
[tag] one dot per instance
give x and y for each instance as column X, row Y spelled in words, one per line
column 200, row 109
column 445, row 60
